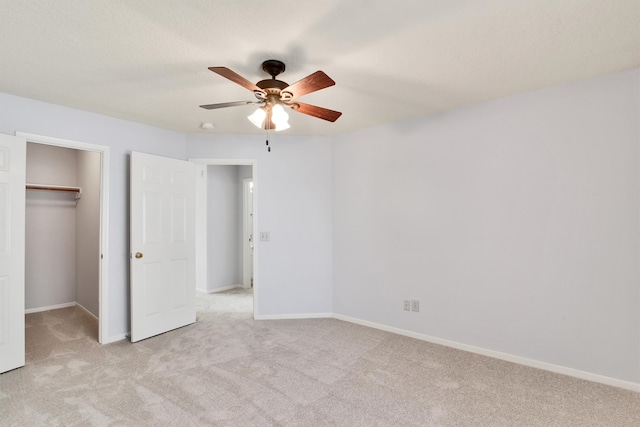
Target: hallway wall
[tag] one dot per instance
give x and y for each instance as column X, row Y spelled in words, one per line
column 223, row 224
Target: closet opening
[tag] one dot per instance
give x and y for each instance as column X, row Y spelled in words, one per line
column 65, row 238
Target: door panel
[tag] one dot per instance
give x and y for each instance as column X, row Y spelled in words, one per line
column 12, row 211
column 163, row 233
column 178, row 219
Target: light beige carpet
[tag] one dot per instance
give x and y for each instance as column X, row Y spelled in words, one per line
column 229, row 370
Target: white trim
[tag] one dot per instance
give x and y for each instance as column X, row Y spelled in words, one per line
column 216, row 290
column 87, row 312
column 256, row 248
column 103, row 298
column 116, row 338
column 224, row 162
column 201, row 226
column 41, row 139
column 628, row 385
column 247, row 249
column 293, row 316
column 49, row 307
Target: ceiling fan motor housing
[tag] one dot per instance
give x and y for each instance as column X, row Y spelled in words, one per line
column 272, row 84
column 273, row 67
column 272, row 87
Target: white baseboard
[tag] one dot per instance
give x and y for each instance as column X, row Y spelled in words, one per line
column 58, row 306
column 87, row 312
column 216, row 290
column 49, row 307
column 628, row 385
column 116, row 338
column 292, row 316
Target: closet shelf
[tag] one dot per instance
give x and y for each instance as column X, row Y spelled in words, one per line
column 48, row 187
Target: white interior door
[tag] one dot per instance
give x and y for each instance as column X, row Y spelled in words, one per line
column 162, row 245
column 12, row 210
column 247, row 235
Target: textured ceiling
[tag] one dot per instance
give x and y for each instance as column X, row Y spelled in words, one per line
column 146, row 60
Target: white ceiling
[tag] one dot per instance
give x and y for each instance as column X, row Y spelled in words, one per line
column 146, row 60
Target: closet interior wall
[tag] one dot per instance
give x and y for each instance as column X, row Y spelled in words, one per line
column 62, row 232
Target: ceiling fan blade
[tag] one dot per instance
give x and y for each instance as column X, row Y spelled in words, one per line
column 319, row 112
column 229, row 104
column 311, row 83
column 235, row 77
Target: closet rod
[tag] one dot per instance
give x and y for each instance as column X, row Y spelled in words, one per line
column 53, row 188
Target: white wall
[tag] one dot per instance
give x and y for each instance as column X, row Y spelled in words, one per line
column 514, row 222
column 25, row 115
column 223, row 223
column 88, row 231
column 293, row 203
column 50, row 221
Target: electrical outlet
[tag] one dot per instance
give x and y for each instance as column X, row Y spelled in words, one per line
column 264, row 236
column 407, row 305
column 415, row 305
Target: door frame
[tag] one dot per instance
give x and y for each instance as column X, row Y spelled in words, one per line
column 103, row 276
column 12, row 293
column 199, row 248
column 247, row 248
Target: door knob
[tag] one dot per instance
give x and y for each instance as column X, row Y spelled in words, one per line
column 138, row 254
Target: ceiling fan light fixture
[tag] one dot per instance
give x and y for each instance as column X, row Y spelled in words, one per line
column 270, row 118
column 257, row 118
column 279, row 117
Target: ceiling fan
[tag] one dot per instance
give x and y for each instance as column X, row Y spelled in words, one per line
column 273, row 95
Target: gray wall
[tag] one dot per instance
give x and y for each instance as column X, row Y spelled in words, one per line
column 514, row 222
column 223, row 222
column 244, row 171
column 88, row 231
column 50, row 221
